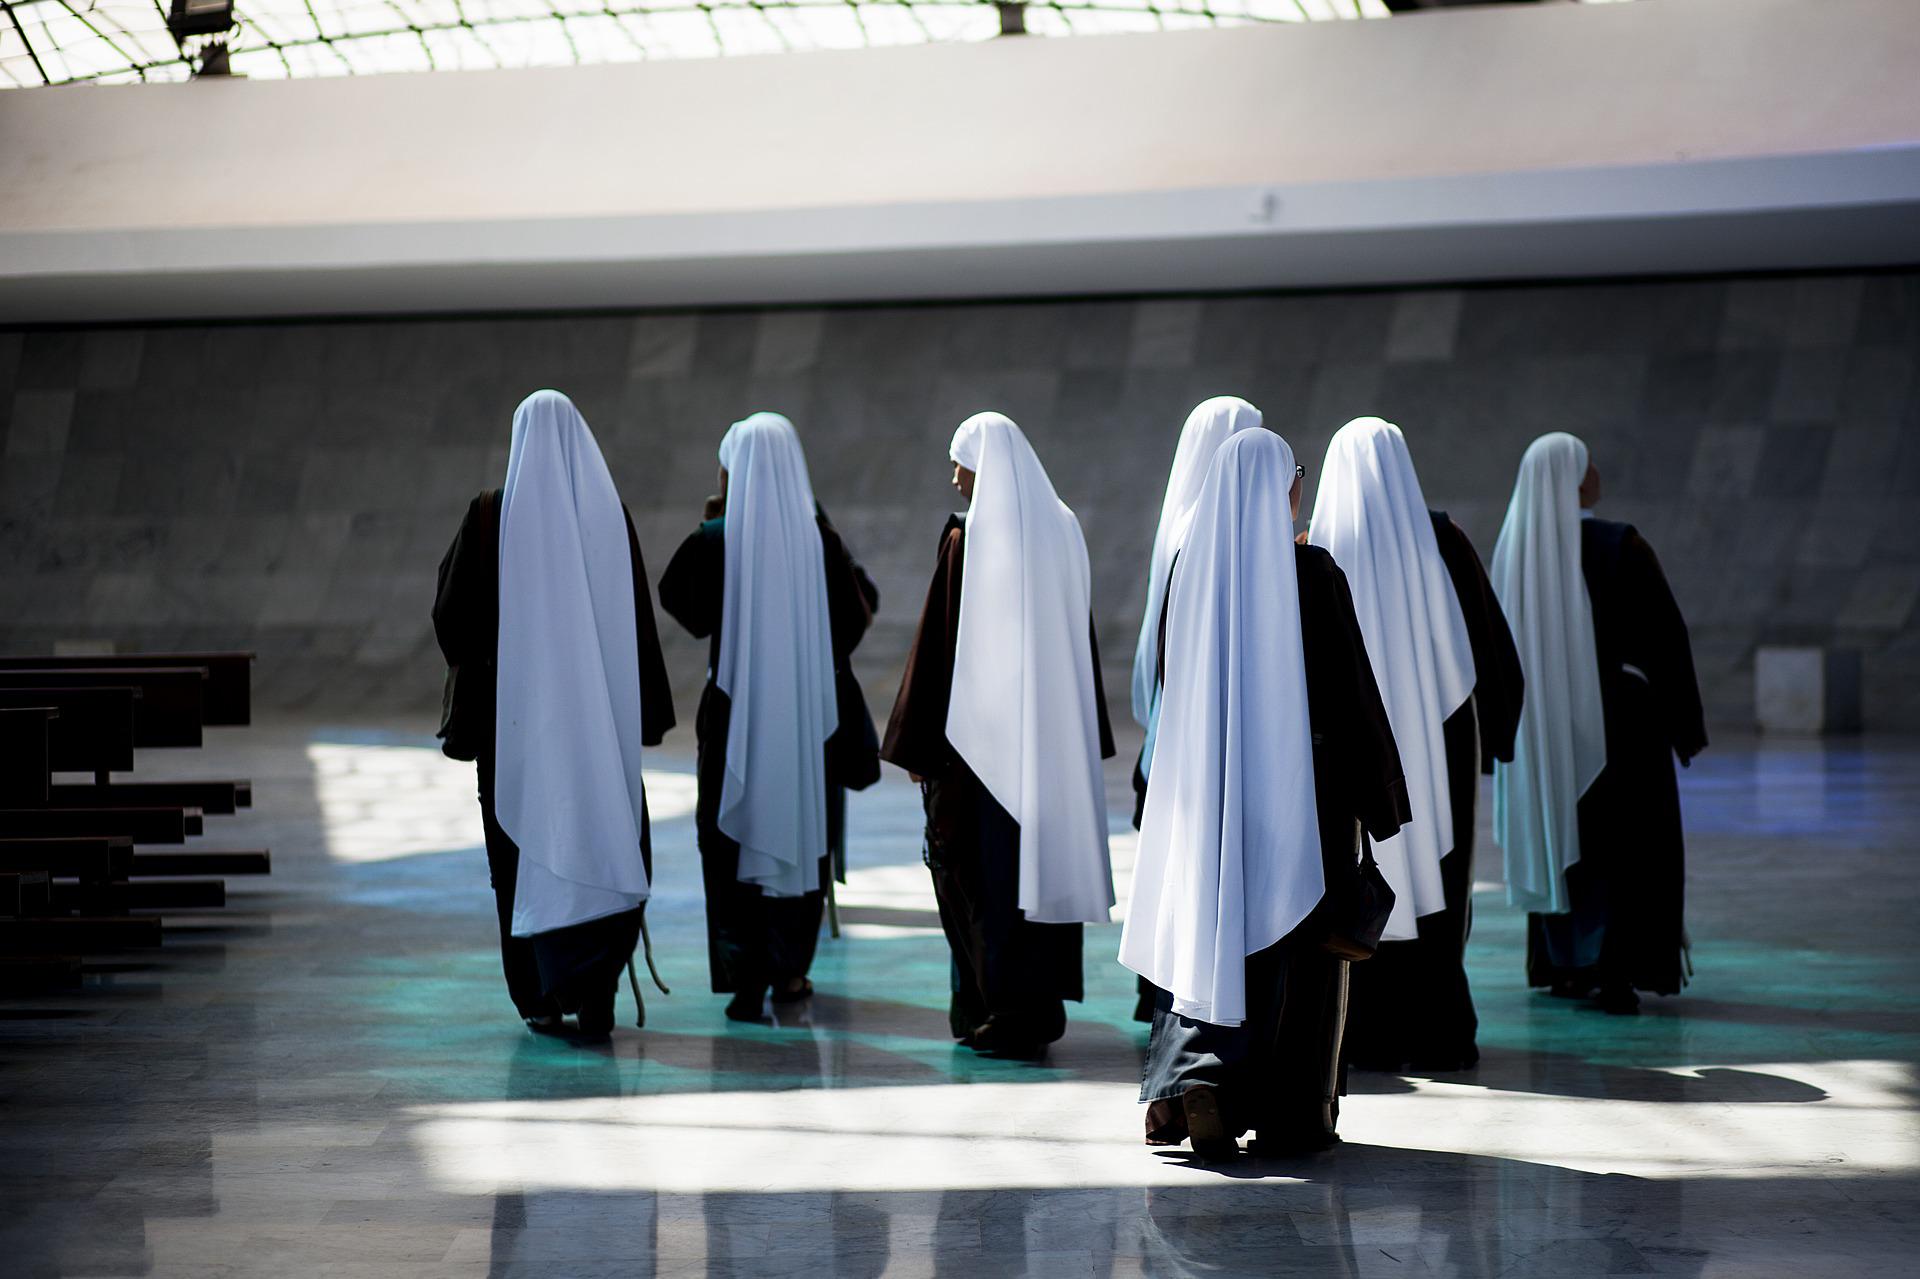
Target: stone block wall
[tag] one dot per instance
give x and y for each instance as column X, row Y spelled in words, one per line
column 290, row 487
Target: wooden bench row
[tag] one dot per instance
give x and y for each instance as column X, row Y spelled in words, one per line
column 72, row 873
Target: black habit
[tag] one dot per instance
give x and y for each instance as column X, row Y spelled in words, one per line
column 1411, row 1006
column 1282, row 1072
column 1007, row 969
column 573, row 969
column 1627, row 892
column 755, row 941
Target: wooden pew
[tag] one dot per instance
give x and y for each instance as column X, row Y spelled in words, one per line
column 25, row 757
column 251, row 861
column 94, row 733
column 141, row 825
column 38, row 974
column 70, row 878
column 229, row 687
column 101, row 860
column 24, row 892
column 211, row 798
column 169, row 710
column 70, row 897
column 95, row 860
column 77, row 934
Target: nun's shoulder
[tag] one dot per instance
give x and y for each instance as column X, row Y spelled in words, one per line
column 1317, row 560
column 699, row 549
column 1318, row 576
column 1610, row 535
column 1448, row 533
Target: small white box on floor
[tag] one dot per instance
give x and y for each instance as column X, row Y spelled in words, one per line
column 1806, row 692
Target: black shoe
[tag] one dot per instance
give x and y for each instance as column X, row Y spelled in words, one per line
column 794, row 996
column 596, row 1018
column 748, row 1005
column 1572, row 988
column 552, row 1024
column 1206, row 1130
column 998, row 1039
column 1621, row 1001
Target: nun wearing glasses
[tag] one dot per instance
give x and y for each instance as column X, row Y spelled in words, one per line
column 770, row 584
column 1210, row 423
column 1273, row 765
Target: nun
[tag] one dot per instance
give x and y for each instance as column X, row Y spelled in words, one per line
column 555, row 682
column 1002, row 719
column 1210, row 422
column 769, row 583
column 1588, row 811
column 1273, row 764
column 1447, row 671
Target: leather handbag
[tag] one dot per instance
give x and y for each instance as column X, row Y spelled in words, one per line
column 467, row 698
column 466, row 722
column 1357, row 913
column 853, row 752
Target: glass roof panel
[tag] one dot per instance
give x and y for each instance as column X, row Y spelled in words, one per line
column 115, row 41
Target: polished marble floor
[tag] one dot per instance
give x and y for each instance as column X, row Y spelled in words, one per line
column 326, row 1078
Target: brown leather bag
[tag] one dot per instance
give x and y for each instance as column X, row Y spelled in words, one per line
column 467, row 698
column 1357, row 910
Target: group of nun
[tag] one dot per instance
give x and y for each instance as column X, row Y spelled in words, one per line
column 1317, row 708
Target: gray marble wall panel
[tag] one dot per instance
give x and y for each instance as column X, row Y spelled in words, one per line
column 290, row 487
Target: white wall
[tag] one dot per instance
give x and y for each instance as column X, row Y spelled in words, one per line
column 1672, row 135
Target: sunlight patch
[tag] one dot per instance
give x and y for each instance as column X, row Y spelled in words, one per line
column 1004, row 1135
column 379, row 803
column 908, row 887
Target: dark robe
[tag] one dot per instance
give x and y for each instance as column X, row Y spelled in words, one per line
column 1410, row 1004
column 1627, row 891
column 578, row 967
column 1005, row 967
column 1282, row 1071
column 753, row 940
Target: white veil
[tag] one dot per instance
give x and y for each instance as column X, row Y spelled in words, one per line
column 1371, row 516
column 567, row 784
column 1022, row 712
column 1561, row 745
column 776, row 660
column 1229, row 859
column 1210, row 422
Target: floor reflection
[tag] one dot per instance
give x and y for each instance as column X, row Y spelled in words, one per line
column 327, row 1079
column 1362, row 1211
